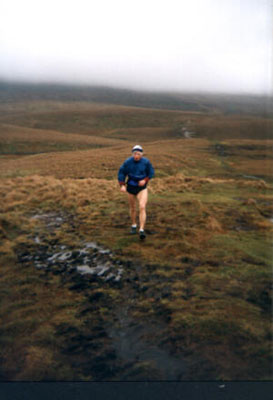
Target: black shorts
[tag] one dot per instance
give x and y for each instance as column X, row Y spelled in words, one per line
column 135, row 189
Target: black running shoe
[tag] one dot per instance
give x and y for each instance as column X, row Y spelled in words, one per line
column 133, row 230
column 142, row 235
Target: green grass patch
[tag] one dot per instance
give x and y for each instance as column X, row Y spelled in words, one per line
column 253, row 244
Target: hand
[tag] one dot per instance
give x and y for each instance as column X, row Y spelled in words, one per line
column 123, row 189
column 142, row 182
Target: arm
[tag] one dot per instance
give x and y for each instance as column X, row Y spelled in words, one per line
column 122, row 173
column 150, row 174
column 150, row 171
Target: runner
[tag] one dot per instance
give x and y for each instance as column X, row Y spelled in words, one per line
column 139, row 171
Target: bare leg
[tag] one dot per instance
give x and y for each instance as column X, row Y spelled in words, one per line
column 132, row 205
column 142, row 198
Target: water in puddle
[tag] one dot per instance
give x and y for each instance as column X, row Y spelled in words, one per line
column 90, row 258
column 99, row 270
column 85, row 269
column 91, row 245
column 37, row 240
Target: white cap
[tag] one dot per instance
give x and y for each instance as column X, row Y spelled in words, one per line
column 137, row 148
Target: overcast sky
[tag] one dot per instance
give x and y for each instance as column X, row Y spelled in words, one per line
column 196, row 45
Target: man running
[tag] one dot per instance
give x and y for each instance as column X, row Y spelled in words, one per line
column 139, row 171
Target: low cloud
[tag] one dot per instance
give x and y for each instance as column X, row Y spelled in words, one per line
column 202, row 45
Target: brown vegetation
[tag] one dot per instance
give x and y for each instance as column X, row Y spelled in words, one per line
column 203, row 275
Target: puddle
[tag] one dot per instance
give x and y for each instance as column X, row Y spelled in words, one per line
column 91, row 245
column 60, row 257
column 89, row 258
column 37, row 240
column 99, row 270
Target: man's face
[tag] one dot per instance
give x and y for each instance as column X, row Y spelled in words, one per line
column 137, row 155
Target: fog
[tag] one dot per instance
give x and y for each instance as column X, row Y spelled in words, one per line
column 196, row 45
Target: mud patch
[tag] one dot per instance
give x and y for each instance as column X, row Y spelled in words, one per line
column 89, row 259
column 141, row 356
column 54, row 220
column 124, row 347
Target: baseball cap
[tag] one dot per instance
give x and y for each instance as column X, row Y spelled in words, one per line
column 137, row 148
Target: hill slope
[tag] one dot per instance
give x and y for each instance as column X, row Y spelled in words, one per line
column 83, row 300
column 234, row 104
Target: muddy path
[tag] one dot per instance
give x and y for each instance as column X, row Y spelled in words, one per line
column 120, row 343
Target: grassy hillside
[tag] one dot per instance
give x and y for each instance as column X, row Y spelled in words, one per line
column 259, row 105
column 193, row 302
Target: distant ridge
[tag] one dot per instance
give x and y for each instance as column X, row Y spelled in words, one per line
column 202, row 102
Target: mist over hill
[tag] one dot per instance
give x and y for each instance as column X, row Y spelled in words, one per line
column 198, row 102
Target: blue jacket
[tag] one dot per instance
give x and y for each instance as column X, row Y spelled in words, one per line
column 135, row 170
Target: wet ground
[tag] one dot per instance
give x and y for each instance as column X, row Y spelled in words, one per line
column 133, row 342
column 119, row 346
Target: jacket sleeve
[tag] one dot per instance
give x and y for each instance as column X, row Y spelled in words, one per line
column 122, row 173
column 150, row 171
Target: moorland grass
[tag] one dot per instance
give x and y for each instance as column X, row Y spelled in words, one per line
column 205, row 268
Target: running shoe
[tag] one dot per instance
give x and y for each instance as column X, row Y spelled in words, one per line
column 142, row 235
column 133, row 230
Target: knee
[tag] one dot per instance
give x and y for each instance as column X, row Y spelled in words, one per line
column 142, row 207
